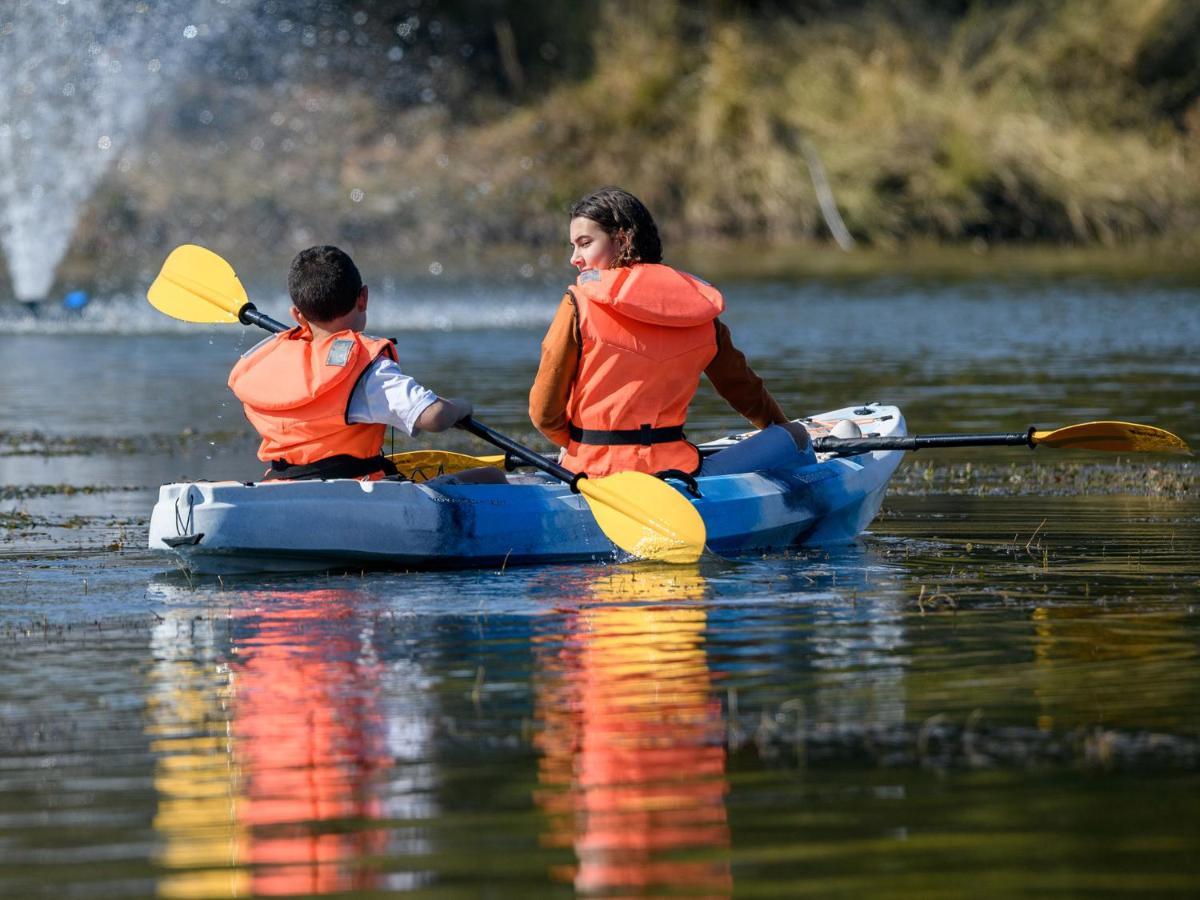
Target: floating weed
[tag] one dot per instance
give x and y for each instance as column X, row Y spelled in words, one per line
column 1136, row 477
column 16, row 520
column 187, row 575
column 1036, row 531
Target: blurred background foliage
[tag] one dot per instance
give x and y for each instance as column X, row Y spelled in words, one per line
column 409, row 127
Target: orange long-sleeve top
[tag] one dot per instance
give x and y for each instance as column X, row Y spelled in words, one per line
column 730, row 374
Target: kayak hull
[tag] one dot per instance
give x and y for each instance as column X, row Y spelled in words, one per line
column 235, row 528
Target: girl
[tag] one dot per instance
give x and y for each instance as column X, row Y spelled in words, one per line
column 623, row 357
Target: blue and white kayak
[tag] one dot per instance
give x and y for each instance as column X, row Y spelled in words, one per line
column 230, row 527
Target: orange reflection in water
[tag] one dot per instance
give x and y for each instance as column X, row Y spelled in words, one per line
column 309, row 740
column 633, row 740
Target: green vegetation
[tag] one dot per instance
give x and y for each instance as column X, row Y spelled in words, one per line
column 992, row 122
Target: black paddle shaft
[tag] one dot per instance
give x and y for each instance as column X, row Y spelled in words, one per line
column 249, row 315
column 830, row 444
column 511, row 447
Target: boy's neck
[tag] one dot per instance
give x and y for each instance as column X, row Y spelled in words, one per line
column 326, row 329
column 351, row 321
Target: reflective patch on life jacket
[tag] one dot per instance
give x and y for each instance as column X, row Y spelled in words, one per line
column 260, row 344
column 589, row 275
column 339, row 352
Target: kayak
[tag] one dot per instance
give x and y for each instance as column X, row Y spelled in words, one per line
column 231, row 527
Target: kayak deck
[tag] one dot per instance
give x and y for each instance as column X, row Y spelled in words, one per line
column 279, row 526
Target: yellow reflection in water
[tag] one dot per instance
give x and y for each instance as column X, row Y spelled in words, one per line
column 632, row 741
column 195, row 772
column 266, row 762
column 1089, row 660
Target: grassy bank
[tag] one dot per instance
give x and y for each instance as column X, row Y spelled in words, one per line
column 1060, row 124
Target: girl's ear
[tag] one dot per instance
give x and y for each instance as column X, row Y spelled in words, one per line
column 624, row 242
column 299, row 316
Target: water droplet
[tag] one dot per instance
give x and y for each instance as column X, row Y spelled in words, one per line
column 356, row 195
column 190, row 32
column 435, row 268
column 105, row 142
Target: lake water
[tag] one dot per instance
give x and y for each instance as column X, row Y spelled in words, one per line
column 994, row 692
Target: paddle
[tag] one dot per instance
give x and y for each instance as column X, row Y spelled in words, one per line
column 422, row 465
column 1116, row 436
column 641, row 514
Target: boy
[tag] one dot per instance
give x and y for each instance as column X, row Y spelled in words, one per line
column 322, row 395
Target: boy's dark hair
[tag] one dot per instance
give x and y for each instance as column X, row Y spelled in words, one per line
column 626, row 220
column 324, row 283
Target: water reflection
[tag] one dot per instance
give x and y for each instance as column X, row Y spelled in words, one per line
column 280, row 759
column 195, row 771
column 632, row 771
column 1111, row 668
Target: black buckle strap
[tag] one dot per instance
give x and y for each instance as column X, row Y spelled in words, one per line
column 689, row 482
column 644, row 436
column 341, row 466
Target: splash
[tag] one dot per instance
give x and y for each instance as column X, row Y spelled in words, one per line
column 80, row 78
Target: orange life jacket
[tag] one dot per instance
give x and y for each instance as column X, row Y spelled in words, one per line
column 646, row 334
column 296, row 391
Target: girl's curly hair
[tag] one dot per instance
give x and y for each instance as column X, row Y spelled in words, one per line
column 626, row 220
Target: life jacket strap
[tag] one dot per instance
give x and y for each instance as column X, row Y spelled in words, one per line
column 341, row 466
column 645, row 436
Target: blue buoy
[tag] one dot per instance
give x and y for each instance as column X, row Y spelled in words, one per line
column 75, row 301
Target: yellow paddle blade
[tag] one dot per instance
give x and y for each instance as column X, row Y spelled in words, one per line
column 645, row 516
column 197, row 285
column 422, row 465
column 1119, row 436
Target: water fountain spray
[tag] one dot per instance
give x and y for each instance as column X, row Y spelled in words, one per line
column 79, row 80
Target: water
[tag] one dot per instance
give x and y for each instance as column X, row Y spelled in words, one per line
column 994, row 692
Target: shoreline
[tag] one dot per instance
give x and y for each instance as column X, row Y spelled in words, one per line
column 1167, row 260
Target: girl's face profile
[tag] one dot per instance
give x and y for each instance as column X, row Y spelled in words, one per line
column 591, row 245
